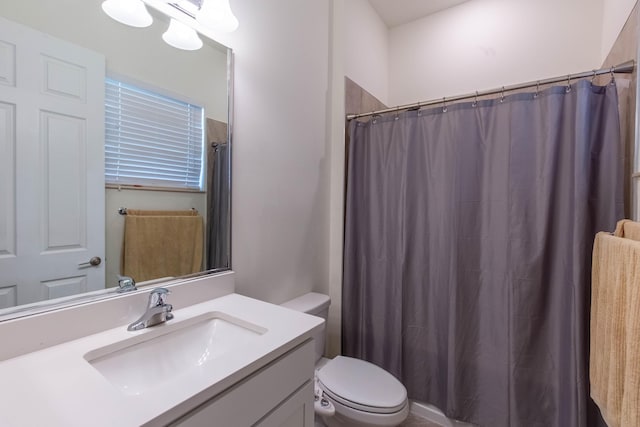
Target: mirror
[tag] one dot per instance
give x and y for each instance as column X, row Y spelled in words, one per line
column 48, row 215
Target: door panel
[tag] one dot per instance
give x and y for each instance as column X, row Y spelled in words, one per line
column 8, row 296
column 65, row 194
column 62, row 78
column 7, row 63
column 7, row 181
column 63, row 287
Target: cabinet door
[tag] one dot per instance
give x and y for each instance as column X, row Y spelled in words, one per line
column 252, row 399
column 296, row 411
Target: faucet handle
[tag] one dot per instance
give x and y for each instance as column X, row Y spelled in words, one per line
column 126, row 284
column 158, row 297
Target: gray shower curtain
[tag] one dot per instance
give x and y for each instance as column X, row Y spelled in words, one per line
column 218, row 226
column 467, row 250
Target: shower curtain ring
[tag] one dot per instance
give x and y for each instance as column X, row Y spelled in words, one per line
column 475, row 100
column 502, row 95
column 444, row 104
column 419, row 108
column 613, row 77
column 397, row 113
column 593, row 77
column 535, row 95
column 568, row 89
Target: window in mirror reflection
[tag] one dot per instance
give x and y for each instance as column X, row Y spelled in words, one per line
column 152, row 140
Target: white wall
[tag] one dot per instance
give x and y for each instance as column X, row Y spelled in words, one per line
column 484, row 44
column 280, row 165
column 366, row 55
column 337, row 174
column 614, row 16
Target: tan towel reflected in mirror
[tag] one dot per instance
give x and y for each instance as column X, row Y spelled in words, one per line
column 161, row 244
column 614, row 367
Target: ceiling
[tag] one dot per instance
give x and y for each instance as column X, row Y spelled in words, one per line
column 398, row 12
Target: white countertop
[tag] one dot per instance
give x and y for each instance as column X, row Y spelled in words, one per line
column 58, row 387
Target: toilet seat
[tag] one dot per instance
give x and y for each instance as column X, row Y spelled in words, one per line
column 362, row 386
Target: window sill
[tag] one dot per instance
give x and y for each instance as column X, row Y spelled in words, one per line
column 152, row 188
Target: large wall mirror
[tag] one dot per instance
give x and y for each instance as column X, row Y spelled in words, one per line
column 71, row 79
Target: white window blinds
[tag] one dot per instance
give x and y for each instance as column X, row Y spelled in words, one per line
column 151, row 139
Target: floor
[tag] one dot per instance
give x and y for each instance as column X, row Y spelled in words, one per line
column 415, row 421
column 411, row 421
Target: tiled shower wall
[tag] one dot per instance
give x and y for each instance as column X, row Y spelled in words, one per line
column 625, row 49
column 358, row 100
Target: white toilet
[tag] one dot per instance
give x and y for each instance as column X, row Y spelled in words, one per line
column 351, row 392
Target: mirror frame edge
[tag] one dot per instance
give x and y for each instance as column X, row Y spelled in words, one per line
column 230, row 116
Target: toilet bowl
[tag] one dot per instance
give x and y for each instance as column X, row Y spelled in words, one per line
column 362, row 394
column 351, row 392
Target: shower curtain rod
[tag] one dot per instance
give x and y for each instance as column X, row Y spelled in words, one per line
column 626, row 67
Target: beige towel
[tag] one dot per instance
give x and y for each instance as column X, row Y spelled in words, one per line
column 614, row 368
column 161, row 245
column 628, row 229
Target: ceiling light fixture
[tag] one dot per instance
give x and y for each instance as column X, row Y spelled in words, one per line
column 217, row 15
column 128, row 12
column 181, row 36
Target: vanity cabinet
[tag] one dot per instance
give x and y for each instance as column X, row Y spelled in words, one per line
column 279, row 394
column 231, row 361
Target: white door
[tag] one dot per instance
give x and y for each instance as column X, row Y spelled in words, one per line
column 51, row 166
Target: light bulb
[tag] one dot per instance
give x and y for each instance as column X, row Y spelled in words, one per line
column 181, row 36
column 128, row 12
column 217, row 15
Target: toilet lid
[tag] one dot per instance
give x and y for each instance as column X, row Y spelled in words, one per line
column 362, row 385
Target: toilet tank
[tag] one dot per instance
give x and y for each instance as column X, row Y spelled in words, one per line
column 317, row 305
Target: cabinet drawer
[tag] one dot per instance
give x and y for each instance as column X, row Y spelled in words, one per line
column 252, row 398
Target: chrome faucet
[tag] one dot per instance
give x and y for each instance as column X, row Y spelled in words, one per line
column 158, row 311
column 126, row 284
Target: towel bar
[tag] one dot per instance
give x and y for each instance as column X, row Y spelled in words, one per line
column 123, row 211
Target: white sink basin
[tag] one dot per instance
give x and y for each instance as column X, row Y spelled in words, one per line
column 161, row 353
